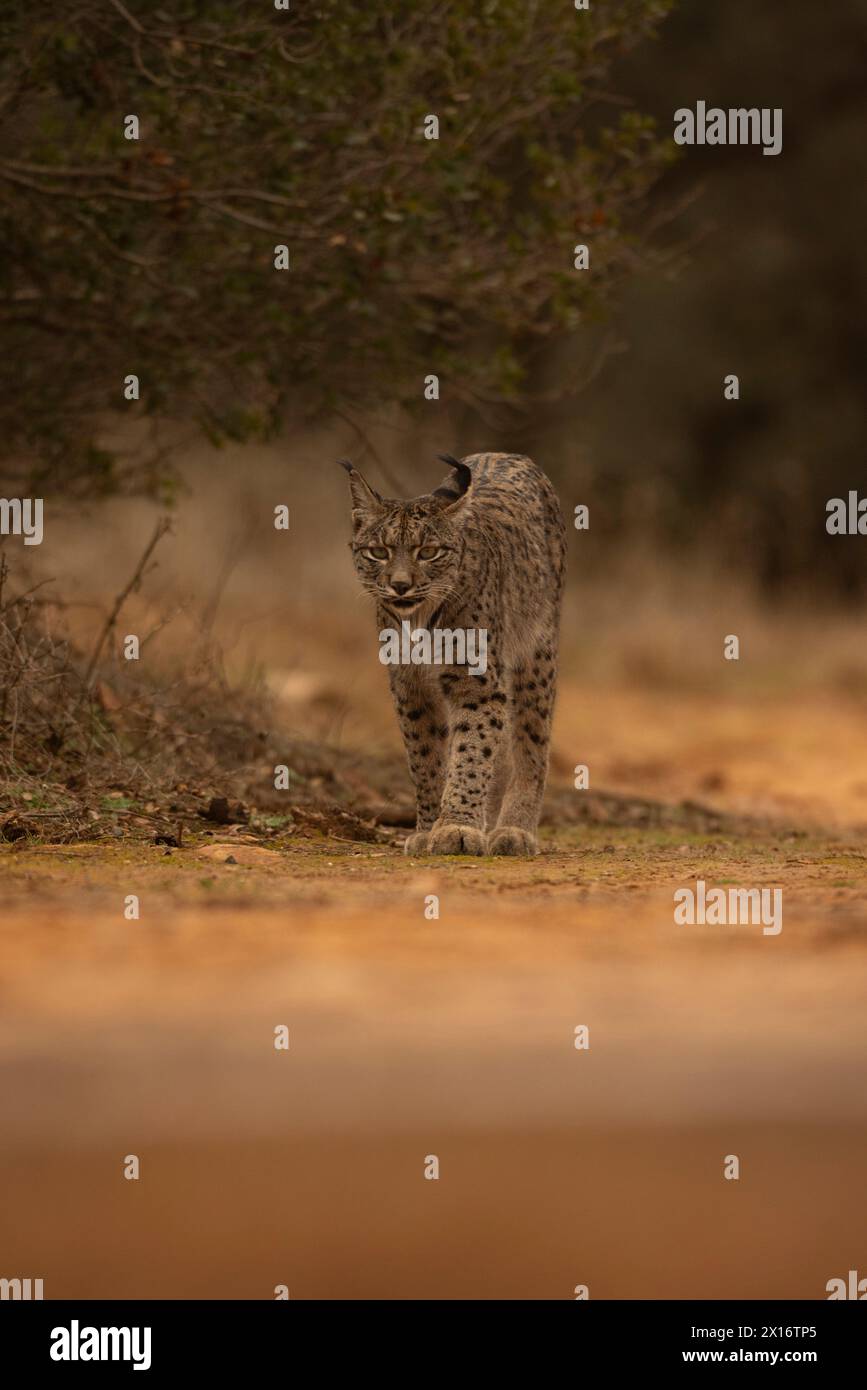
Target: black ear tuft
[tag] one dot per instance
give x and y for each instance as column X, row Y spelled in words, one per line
column 364, row 497
column 461, row 481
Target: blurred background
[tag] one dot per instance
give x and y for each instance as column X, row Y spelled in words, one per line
column 720, row 261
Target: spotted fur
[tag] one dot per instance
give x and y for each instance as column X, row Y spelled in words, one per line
column 485, row 550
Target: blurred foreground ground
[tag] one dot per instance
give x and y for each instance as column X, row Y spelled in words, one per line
column 411, row 1037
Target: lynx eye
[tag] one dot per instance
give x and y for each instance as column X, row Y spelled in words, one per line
column 376, row 552
column 428, row 552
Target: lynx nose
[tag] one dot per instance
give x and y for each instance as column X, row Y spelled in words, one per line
column 400, row 587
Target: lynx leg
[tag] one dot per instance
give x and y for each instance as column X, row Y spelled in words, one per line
column 476, row 718
column 423, row 722
column 532, row 707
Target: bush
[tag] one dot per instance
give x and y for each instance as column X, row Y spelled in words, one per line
column 260, row 127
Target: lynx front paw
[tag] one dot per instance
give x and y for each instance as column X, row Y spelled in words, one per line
column 510, row 839
column 417, row 842
column 456, row 839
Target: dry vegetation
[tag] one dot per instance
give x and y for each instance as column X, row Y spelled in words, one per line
column 94, row 747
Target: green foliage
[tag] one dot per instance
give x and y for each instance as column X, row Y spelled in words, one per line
column 262, row 127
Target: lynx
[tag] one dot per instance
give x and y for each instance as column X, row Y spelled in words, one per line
column 485, row 553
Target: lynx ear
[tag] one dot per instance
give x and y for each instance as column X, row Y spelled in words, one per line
column 455, row 487
column 364, row 498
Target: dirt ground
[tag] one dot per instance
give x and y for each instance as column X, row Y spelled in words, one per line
column 411, row 1036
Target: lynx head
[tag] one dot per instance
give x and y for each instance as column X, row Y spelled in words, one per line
column 409, row 553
